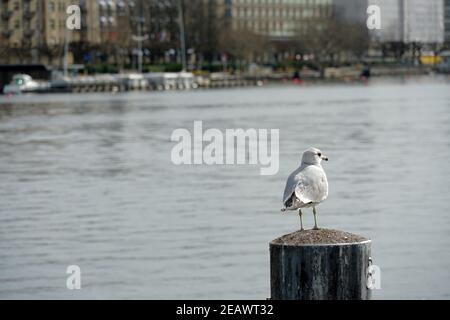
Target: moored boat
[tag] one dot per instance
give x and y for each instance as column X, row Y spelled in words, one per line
column 23, row 83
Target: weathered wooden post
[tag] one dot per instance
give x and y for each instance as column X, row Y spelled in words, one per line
column 319, row 265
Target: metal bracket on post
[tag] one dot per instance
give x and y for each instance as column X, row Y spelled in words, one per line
column 373, row 276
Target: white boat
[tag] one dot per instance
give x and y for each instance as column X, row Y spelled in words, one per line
column 23, row 83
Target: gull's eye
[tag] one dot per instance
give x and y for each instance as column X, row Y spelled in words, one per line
column 319, row 154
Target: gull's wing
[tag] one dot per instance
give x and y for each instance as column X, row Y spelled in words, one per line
column 312, row 186
column 295, row 179
column 305, row 183
column 304, row 191
column 291, row 183
column 296, row 191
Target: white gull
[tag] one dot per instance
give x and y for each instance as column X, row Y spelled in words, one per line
column 307, row 186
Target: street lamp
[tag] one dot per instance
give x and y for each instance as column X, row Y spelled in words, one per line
column 182, row 36
column 139, row 38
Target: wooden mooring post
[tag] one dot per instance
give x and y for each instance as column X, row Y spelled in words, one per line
column 319, row 265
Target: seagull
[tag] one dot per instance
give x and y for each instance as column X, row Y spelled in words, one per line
column 307, row 186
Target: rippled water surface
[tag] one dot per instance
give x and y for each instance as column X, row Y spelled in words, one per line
column 88, row 180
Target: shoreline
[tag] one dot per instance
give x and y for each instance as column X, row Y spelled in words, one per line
column 180, row 81
column 425, row 80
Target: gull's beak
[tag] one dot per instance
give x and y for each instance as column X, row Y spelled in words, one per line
column 324, row 158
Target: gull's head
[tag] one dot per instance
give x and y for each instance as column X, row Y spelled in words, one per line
column 313, row 156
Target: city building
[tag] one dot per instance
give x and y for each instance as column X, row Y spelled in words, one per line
column 423, row 21
column 90, row 22
column 33, row 31
column 111, row 29
column 402, row 21
column 279, row 19
column 447, row 21
column 22, row 25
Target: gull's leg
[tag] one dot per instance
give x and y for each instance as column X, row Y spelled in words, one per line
column 315, row 220
column 300, row 214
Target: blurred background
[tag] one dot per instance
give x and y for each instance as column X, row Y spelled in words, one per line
column 86, row 117
column 268, row 39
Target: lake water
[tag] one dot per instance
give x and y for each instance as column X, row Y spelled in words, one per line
column 88, row 180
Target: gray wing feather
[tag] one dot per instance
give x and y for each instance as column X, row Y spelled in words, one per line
column 304, row 192
column 307, row 185
column 291, row 184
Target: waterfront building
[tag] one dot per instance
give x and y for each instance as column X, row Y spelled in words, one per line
column 29, row 27
column 402, row 21
column 34, row 31
column 447, row 21
column 279, row 19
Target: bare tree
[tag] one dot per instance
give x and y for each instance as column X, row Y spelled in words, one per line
column 242, row 45
column 356, row 41
column 201, row 27
column 330, row 41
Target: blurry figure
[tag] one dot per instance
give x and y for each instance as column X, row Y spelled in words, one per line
column 296, row 77
column 365, row 73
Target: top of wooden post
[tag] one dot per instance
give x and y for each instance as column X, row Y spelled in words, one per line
column 319, row 237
